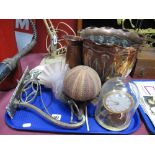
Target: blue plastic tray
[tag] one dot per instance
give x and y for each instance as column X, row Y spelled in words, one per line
column 145, row 118
column 38, row 123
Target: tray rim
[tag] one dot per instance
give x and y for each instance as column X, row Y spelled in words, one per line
column 145, row 118
column 136, row 127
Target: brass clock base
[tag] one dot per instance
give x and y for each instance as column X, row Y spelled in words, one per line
column 108, row 127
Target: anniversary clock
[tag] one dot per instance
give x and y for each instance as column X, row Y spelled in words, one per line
column 118, row 102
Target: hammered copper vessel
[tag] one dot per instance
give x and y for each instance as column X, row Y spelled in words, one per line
column 111, row 52
column 74, row 50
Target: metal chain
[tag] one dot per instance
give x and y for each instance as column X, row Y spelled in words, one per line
column 33, row 29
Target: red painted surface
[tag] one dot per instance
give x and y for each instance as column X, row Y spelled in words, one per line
column 8, row 41
column 8, row 48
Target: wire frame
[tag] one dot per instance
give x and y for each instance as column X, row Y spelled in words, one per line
column 58, row 32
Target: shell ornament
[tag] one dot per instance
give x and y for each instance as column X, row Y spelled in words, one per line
column 52, row 75
column 82, row 83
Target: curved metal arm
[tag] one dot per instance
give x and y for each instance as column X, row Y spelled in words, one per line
column 50, row 118
column 16, row 102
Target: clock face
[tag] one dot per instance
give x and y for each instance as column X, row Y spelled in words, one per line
column 118, row 102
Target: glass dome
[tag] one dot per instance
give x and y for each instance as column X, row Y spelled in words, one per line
column 118, row 101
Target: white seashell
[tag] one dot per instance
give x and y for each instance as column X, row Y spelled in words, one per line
column 52, row 76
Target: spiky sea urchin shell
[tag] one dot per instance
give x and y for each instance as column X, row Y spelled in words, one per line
column 82, row 83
